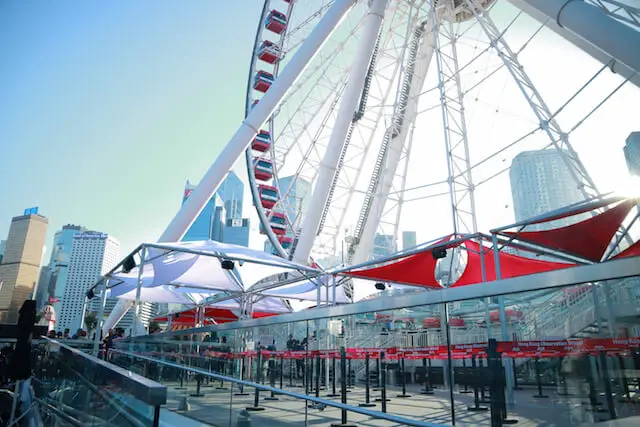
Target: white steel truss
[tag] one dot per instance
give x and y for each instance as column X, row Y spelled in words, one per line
column 461, row 187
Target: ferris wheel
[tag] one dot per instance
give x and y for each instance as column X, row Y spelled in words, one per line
column 409, row 110
column 366, row 119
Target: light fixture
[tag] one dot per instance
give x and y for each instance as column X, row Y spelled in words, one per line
column 128, row 264
column 227, row 264
column 439, row 253
column 380, row 286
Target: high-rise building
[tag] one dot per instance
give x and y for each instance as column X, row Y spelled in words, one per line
column 92, row 254
column 632, row 153
column 59, row 261
column 221, row 219
column 236, row 231
column 231, row 191
column 209, row 225
column 3, row 246
column 409, row 239
column 20, row 266
column 383, row 245
column 297, row 196
column 541, row 182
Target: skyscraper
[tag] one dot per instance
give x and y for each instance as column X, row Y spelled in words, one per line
column 231, row 191
column 20, row 266
column 92, row 254
column 296, row 202
column 409, row 239
column 3, row 246
column 632, row 153
column 236, row 231
column 59, row 261
column 221, row 219
column 541, row 182
column 209, row 225
column 296, row 193
column 383, row 245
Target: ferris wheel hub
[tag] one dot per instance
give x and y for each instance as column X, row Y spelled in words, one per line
column 458, row 10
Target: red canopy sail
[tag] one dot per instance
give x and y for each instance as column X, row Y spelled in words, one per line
column 588, row 239
column 510, row 266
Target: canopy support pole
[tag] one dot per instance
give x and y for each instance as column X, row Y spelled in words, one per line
column 333, row 283
column 136, row 317
column 503, row 323
column 103, row 301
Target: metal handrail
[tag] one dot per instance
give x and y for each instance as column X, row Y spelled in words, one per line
column 143, row 389
column 356, row 409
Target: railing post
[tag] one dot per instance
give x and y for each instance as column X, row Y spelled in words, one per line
column 367, row 394
column 256, row 397
column 403, row 380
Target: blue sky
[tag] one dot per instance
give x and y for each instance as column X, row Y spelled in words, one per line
column 108, row 107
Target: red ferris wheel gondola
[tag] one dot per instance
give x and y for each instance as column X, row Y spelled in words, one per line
column 276, row 22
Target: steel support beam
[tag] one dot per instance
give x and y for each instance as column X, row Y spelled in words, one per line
column 592, row 30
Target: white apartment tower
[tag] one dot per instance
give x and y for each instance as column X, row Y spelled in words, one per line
column 92, row 254
column 542, row 182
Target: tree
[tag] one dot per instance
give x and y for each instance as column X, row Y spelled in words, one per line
column 91, row 321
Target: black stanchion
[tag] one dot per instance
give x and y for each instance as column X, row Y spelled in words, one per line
column 343, row 389
column 623, row 380
column 466, row 386
column 241, row 386
column 223, row 371
column 383, row 383
column 497, row 384
column 333, row 379
column 403, row 380
column 291, row 363
column 607, row 385
column 515, row 376
column 636, row 365
column 308, row 375
column 536, row 365
column 182, row 387
column 256, row 397
column 427, row 378
column 367, row 394
column 198, row 383
column 350, row 384
column 317, row 375
column 207, row 382
column 476, row 396
column 378, row 383
column 281, row 371
column 272, row 378
column 481, row 375
column 595, row 406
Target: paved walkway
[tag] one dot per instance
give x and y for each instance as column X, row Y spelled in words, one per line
column 218, row 407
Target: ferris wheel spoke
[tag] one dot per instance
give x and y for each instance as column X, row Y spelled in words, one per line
column 537, row 104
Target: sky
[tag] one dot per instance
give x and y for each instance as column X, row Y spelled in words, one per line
column 107, row 108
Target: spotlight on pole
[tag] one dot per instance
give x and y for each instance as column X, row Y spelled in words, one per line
column 227, row 264
column 128, row 264
column 439, row 253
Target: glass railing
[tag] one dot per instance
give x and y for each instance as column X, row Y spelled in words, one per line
column 73, row 388
column 222, row 400
column 553, row 349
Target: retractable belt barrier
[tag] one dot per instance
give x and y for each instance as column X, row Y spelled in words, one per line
column 513, row 349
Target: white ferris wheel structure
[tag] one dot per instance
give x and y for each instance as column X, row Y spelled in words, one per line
column 368, row 118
